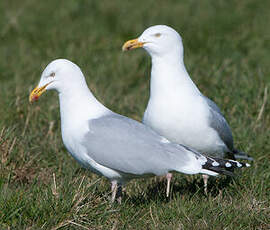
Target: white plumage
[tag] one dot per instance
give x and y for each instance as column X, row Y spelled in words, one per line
column 109, row 144
column 176, row 108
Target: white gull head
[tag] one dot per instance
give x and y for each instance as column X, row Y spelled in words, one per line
column 74, row 95
column 159, row 41
column 62, row 75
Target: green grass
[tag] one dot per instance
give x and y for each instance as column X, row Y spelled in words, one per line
column 227, row 53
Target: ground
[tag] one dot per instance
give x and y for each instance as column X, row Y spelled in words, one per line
column 227, row 53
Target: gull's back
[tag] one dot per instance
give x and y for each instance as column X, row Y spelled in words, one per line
column 125, row 145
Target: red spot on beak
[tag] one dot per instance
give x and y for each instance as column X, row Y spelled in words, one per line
column 35, row 97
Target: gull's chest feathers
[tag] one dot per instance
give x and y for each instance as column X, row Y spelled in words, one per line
column 73, row 131
column 179, row 111
column 182, row 119
column 175, row 102
column 73, row 135
column 75, row 124
column 75, row 113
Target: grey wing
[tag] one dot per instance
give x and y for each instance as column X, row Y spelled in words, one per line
column 219, row 123
column 126, row 145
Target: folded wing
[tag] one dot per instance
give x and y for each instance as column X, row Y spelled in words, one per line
column 126, row 145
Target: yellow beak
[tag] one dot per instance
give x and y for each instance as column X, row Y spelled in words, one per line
column 132, row 44
column 36, row 93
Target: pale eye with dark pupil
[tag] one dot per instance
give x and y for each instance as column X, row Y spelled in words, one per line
column 157, row 35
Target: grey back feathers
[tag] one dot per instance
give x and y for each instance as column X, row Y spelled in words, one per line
column 219, row 123
column 128, row 146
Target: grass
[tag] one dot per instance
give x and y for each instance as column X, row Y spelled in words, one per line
column 227, row 47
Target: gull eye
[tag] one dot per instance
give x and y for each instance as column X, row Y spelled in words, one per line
column 157, row 35
column 52, row 74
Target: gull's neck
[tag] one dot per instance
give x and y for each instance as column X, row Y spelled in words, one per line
column 78, row 104
column 169, row 76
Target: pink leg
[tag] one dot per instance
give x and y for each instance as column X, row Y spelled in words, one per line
column 205, row 179
column 169, row 177
column 116, row 192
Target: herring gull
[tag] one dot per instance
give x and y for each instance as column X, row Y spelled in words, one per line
column 176, row 108
column 113, row 145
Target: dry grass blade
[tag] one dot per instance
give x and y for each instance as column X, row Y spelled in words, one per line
column 5, row 147
column 62, row 224
column 54, row 187
column 79, row 225
column 78, row 190
column 152, row 217
column 263, row 104
column 26, row 122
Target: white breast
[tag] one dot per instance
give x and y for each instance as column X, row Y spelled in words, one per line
column 72, row 137
column 185, row 122
column 75, row 116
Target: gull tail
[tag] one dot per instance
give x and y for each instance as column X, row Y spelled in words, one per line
column 214, row 166
column 241, row 155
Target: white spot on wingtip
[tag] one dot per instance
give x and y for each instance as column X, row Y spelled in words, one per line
column 203, row 160
column 164, row 140
column 228, row 165
column 239, row 165
column 247, row 165
column 215, row 163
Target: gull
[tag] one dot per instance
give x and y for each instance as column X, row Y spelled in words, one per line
column 176, row 108
column 112, row 145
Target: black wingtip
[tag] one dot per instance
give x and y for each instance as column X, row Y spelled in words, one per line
column 223, row 166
